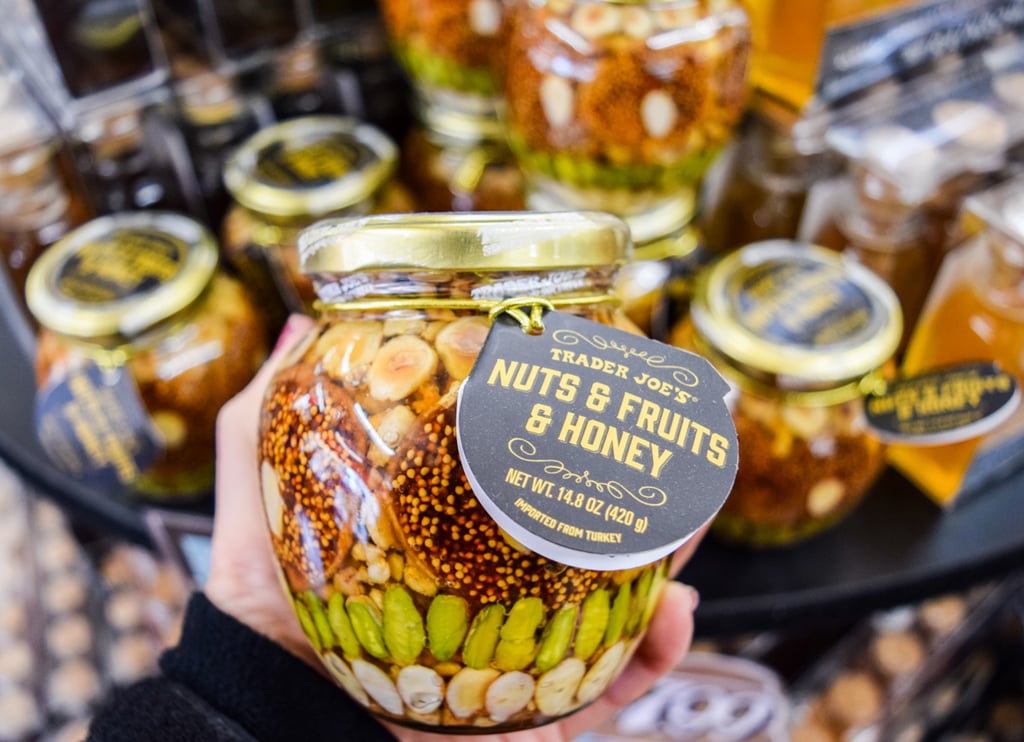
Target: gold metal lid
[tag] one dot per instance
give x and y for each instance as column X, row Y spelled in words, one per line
column 797, row 311
column 461, row 126
column 310, row 166
column 481, row 241
column 117, row 276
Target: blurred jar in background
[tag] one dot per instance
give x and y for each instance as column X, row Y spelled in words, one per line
column 450, row 49
column 765, row 186
column 214, row 118
column 620, row 106
column 133, row 304
column 101, row 44
column 802, row 336
column 290, row 175
column 121, row 169
column 455, row 162
column 39, row 196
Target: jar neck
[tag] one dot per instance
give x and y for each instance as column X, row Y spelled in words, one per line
column 462, row 290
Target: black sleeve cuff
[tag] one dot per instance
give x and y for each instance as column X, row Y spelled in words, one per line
column 271, row 693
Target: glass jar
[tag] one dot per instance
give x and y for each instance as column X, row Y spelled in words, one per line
column 802, row 336
column 614, row 104
column 398, row 575
column 138, row 295
column 887, row 238
column 655, row 284
column 454, row 162
column 121, row 170
column 765, row 187
column 288, row 176
column 974, row 312
column 214, row 118
column 450, row 49
column 38, row 204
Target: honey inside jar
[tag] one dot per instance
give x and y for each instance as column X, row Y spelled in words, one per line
column 417, row 602
column 802, row 337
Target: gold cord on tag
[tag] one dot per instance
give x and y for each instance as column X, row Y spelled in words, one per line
column 532, row 322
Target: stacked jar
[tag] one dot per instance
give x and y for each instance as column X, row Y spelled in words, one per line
column 622, row 105
column 288, row 176
column 803, row 336
column 146, row 340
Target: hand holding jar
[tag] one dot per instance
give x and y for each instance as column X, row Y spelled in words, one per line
column 244, row 580
column 426, row 594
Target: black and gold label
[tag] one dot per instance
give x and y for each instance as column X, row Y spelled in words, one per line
column 800, row 302
column 312, row 162
column 93, row 426
column 943, row 406
column 592, row 446
column 125, row 263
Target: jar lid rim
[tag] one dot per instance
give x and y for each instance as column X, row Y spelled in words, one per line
column 165, row 262
column 374, row 157
column 477, row 241
column 814, row 346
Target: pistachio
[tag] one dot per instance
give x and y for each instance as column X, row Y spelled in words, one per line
column 447, row 624
column 557, row 636
column 593, row 623
column 367, row 624
column 484, row 634
column 618, row 615
column 320, row 619
column 342, row 626
column 403, row 630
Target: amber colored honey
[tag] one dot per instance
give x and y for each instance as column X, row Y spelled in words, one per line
column 789, row 36
column 974, row 321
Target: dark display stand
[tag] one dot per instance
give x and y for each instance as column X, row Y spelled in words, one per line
column 897, row 547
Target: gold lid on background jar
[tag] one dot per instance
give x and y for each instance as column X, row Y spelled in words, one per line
column 118, row 276
column 798, row 312
column 481, row 241
column 310, row 166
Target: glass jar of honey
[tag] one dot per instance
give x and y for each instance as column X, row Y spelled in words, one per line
column 975, row 312
column 613, row 105
column 142, row 342
column 803, row 336
column 417, row 602
column 288, row 176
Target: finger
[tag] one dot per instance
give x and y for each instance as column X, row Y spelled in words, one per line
column 662, row 648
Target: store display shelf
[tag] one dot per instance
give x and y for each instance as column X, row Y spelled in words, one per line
column 897, row 547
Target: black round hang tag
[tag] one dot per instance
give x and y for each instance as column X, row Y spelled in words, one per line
column 592, row 446
column 943, row 406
